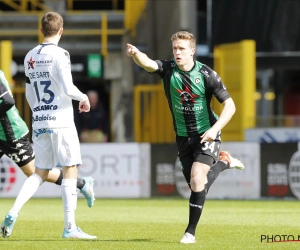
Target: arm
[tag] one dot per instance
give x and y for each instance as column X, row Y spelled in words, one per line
column 141, row 59
column 6, row 103
column 225, row 116
column 64, row 69
column 6, row 99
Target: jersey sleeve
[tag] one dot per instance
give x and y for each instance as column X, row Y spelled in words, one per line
column 163, row 67
column 215, row 84
column 64, row 69
column 29, row 93
column 6, row 99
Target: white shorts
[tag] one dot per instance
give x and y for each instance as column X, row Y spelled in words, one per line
column 59, row 146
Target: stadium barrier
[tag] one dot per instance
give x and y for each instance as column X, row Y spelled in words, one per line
column 120, row 170
column 143, row 170
column 167, row 179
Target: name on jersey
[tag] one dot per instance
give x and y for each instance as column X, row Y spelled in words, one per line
column 38, row 132
column 35, row 75
column 43, row 118
column 45, row 107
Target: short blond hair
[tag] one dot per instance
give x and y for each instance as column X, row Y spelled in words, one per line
column 184, row 35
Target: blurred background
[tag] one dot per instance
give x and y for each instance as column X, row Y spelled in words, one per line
column 254, row 45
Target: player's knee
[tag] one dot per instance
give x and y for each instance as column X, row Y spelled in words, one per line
column 197, row 182
column 28, row 172
column 28, row 169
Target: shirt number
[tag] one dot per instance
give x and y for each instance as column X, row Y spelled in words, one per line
column 45, row 90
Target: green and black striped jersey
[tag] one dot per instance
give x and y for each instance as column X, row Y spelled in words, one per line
column 12, row 126
column 189, row 94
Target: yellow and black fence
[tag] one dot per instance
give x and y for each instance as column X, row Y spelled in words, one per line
column 152, row 117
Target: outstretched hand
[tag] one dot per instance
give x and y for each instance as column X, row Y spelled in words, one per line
column 131, row 50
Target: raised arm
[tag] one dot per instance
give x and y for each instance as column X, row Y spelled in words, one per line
column 141, row 59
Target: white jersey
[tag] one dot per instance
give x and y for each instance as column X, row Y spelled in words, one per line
column 50, row 88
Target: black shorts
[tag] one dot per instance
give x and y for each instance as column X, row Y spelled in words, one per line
column 20, row 151
column 190, row 150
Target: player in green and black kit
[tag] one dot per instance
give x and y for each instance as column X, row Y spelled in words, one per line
column 189, row 87
column 14, row 142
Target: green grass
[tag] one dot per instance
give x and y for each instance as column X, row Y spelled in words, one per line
column 154, row 224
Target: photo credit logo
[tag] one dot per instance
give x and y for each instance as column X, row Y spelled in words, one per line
column 273, row 238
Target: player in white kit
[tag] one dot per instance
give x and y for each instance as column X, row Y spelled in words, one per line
column 49, row 92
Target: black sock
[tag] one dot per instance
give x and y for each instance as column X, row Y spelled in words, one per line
column 214, row 172
column 197, row 200
column 60, row 177
column 80, row 181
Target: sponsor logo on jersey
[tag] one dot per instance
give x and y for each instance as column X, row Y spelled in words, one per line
column 38, row 132
column 43, row 118
column 204, row 72
column 45, row 107
column 30, row 63
column 186, row 95
column 189, row 108
column 43, row 63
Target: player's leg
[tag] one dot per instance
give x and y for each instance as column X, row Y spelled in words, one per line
column 66, row 149
column 231, row 161
column 203, row 155
column 69, row 197
column 186, row 157
column 198, row 193
column 43, row 148
column 21, row 152
column 226, row 161
column 85, row 185
column 28, row 189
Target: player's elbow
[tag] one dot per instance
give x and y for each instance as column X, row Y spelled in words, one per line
column 229, row 104
column 8, row 101
column 233, row 108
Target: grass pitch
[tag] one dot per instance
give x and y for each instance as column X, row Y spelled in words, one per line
column 155, row 224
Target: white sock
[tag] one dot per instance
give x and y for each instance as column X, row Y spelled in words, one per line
column 27, row 191
column 69, row 197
